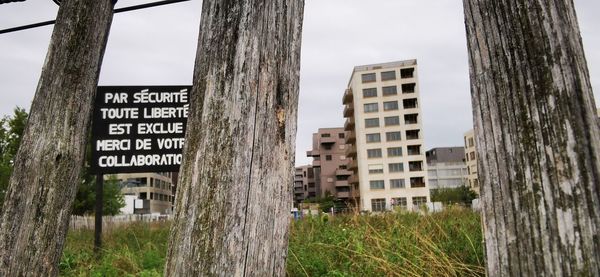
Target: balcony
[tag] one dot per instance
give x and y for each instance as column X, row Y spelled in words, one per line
column 343, row 172
column 353, row 179
column 412, row 134
column 348, row 97
column 343, row 183
column 327, row 140
column 351, row 151
column 417, row 182
column 316, row 163
column 410, row 103
column 408, row 88
column 351, row 138
column 353, row 166
column 342, row 194
column 415, row 166
column 411, row 119
column 407, row 73
column 349, row 125
column 313, row 153
column 349, row 111
column 414, row 150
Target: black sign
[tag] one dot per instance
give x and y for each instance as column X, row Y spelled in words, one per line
column 139, row 128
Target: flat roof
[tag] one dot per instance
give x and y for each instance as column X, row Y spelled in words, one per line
column 369, row 67
column 377, row 66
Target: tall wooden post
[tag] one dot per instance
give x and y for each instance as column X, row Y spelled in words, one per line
column 48, row 164
column 234, row 195
column 538, row 142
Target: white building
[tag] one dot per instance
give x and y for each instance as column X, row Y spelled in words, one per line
column 154, row 189
column 446, row 167
column 385, row 136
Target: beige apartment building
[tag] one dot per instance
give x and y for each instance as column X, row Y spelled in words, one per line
column 155, row 189
column 471, row 160
column 385, row 136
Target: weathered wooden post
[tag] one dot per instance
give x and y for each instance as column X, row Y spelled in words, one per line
column 537, row 138
column 47, row 167
column 234, row 196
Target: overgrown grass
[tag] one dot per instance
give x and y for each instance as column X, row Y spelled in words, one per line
column 391, row 244
column 136, row 250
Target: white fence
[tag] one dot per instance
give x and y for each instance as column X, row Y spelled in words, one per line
column 110, row 222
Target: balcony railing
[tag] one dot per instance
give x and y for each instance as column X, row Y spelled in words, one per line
column 351, row 151
column 348, row 97
column 349, row 111
column 351, row 137
column 343, row 183
column 343, row 172
column 328, row 140
column 313, row 153
column 342, row 194
column 349, row 125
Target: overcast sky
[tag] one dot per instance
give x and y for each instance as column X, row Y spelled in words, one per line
column 157, row 47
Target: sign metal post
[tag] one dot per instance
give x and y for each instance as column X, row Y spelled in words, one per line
column 98, row 216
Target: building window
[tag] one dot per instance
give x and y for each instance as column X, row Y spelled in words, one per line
column 373, row 138
column 417, row 182
column 412, row 134
column 378, row 204
column 375, row 169
column 369, row 92
column 388, row 75
column 368, row 77
column 396, row 167
column 371, row 122
column 419, row 201
column 325, row 135
column 328, row 157
column 391, row 90
column 397, row 183
column 406, row 73
column 371, row 107
column 415, row 166
column 327, row 146
column 377, row 184
column 472, row 154
column 408, row 88
column 390, row 106
column 410, row 103
column 392, row 120
column 399, row 202
column 471, row 142
column 341, row 135
column 411, row 118
column 373, row 153
column 394, row 152
column 393, row 136
column 413, row 150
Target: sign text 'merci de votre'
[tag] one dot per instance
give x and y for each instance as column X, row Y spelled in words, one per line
column 139, row 128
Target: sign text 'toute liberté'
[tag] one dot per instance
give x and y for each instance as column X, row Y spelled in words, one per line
column 139, row 128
